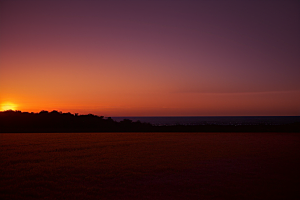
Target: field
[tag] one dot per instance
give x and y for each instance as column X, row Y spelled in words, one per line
column 150, row 166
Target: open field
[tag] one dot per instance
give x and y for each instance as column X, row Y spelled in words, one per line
column 150, row 166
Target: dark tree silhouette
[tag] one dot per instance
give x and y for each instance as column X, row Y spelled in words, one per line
column 55, row 121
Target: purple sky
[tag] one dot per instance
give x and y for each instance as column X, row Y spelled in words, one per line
column 151, row 57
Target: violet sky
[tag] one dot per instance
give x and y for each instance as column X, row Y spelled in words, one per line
column 151, row 58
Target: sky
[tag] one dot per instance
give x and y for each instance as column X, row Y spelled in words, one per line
column 151, row 58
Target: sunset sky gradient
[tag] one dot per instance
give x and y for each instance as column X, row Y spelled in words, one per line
column 151, row 58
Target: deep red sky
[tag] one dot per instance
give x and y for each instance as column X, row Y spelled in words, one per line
column 151, row 58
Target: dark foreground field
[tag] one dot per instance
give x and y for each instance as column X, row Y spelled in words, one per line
column 150, row 166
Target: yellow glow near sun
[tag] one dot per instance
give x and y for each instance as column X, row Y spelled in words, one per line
column 8, row 106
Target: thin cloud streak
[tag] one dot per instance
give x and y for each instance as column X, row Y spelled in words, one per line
column 236, row 92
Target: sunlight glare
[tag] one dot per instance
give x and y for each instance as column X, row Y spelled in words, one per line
column 8, row 106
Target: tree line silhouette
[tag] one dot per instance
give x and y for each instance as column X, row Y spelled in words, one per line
column 54, row 121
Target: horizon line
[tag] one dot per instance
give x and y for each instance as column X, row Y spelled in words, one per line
column 162, row 115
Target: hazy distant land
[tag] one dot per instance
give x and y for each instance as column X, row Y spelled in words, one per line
column 54, row 121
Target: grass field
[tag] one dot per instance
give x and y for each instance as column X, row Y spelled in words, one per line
column 150, row 166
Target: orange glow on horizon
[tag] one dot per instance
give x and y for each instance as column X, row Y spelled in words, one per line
column 168, row 104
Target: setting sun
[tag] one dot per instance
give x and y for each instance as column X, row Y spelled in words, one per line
column 8, row 106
